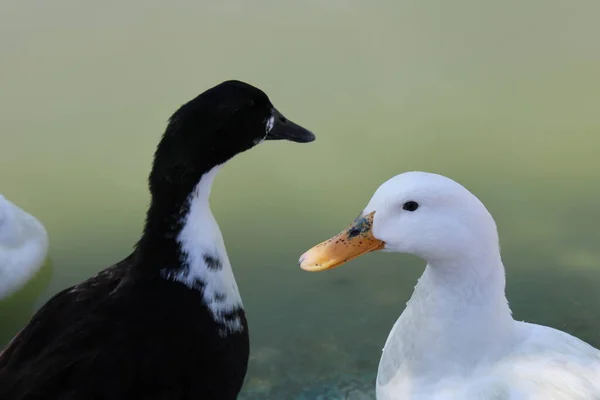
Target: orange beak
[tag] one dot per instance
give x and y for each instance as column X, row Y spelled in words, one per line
column 353, row 241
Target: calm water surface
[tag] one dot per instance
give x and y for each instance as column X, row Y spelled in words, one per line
column 502, row 97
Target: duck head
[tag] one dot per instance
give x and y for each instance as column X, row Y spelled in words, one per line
column 220, row 123
column 424, row 214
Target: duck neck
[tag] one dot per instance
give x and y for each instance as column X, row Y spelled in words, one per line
column 457, row 315
column 183, row 243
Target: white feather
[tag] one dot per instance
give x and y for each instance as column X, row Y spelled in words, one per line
column 270, row 123
column 23, row 247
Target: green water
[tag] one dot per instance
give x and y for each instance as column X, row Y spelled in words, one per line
column 502, row 96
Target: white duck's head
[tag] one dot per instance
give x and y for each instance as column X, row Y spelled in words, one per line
column 419, row 213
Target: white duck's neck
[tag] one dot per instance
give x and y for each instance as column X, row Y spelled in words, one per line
column 457, row 317
column 206, row 264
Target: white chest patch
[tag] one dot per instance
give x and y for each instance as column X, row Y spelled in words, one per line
column 206, row 264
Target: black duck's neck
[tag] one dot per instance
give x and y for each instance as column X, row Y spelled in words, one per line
column 165, row 219
column 181, row 177
column 183, row 243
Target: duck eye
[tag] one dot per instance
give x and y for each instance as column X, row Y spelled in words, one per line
column 410, row 206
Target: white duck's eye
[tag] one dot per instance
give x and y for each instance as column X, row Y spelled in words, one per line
column 410, row 206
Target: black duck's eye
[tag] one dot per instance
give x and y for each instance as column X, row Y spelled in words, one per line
column 410, row 206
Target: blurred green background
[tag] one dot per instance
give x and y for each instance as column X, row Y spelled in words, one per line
column 503, row 97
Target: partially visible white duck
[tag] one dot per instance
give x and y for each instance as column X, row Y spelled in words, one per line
column 456, row 338
column 23, row 247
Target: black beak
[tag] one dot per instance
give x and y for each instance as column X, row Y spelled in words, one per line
column 283, row 128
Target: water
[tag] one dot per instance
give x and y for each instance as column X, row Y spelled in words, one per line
column 502, row 97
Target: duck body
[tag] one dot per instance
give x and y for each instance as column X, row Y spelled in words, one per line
column 456, row 338
column 517, row 360
column 167, row 322
column 114, row 355
column 23, row 247
column 172, row 360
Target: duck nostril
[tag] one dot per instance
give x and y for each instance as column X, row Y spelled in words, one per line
column 353, row 232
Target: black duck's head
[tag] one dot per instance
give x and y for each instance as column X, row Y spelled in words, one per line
column 225, row 120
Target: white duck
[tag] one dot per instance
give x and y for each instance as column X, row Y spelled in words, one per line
column 23, row 247
column 456, row 338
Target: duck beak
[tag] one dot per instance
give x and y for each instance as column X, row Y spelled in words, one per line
column 283, row 128
column 353, row 241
